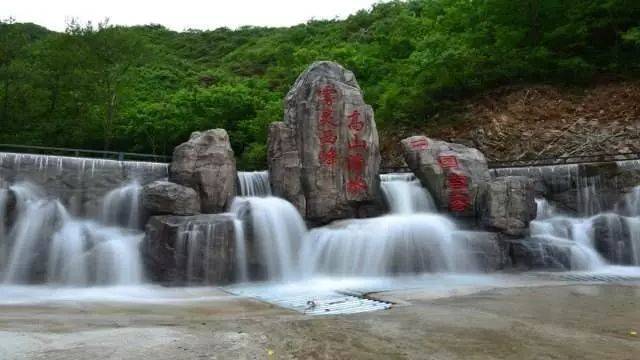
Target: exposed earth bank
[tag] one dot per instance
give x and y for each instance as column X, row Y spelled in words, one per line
column 521, row 122
column 545, row 322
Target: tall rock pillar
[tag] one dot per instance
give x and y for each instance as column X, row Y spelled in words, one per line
column 324, row 157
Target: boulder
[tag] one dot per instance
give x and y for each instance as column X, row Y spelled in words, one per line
column 454, row 174
column 167, row 198
column 206, row 164
column 508, row 205
column 324, row 157
column 179, row 250
column 616, row 238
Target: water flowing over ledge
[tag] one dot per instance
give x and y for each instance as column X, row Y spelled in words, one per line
column 48, row 245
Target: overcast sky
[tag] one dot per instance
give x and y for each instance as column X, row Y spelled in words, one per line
column 179, row 14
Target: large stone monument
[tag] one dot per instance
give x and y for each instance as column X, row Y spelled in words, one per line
column 324, row 157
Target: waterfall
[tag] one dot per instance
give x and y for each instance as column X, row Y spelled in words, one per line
column 242, row 266
column 193, row 238
column 122, row 206
column 562, row 230
column 385, row 246
column 47, row 244
column 410, row 240
column 4, row 203
column 278, row 232
column 405, row 195
column 254, row 183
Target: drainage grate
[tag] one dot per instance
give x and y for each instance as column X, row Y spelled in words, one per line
column 588, row 277
column 314, row 303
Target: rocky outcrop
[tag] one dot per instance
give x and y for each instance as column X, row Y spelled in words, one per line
column 453, row 173
column 180, row 250
column 325, row 155
column 167, row 198
column 285, row 167
column 206, row 164
column 508, row 205
column 617, row 239
column 581, row 189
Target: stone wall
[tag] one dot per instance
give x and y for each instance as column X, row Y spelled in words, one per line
column 80, row 183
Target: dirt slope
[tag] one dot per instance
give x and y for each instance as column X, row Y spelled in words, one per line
column 540, row 121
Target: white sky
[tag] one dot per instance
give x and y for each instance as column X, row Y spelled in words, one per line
column 179, row 14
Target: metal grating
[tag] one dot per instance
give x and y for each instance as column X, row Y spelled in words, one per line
column 591, row 277
column 314, row 303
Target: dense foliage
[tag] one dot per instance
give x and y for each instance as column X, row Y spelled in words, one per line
column 146, row 88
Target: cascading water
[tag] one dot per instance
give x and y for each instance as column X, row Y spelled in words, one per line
column 405, row 194
column 121, row 206
column 4, row 200
column 409, row 241
column 561, row 230
column 254, row 183
column 383, row 246
column 192, row 238
column 278, row 233
column 49, row 245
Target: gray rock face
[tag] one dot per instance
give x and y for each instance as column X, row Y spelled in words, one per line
column 613, row 238
column 581, row 190
column 509, row 205
column 79, row 183
column 285, row 167
column 327, row 145
column 179, row 250
column 453, row 173
column 206, row 164
column 167, row 198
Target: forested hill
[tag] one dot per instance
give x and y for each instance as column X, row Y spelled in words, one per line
column 146, row 88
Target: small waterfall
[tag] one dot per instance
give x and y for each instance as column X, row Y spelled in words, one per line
column 634, row 232
column 405, row 195
column 242, row 266
column 36, row 221
column 254, row 183
column 278, row 231
column 194, row 239
column 575, row 232
column 589, row 201
column 47, row 244
column 4, row 203
column 122, row 206
column 384, row 246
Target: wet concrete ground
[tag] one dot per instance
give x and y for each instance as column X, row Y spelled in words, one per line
column 546, row 321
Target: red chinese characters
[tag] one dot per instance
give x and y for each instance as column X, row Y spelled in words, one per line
column 448, row 161
column 355, row 123
column 327, row 125
column 356, row 183
column 419, row 144
column 328, row 137
column 355, row 163
column 357, row 143
column 458, row 184
column 328, row 157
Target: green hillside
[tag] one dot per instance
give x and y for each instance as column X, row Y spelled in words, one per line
column 146, row 88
